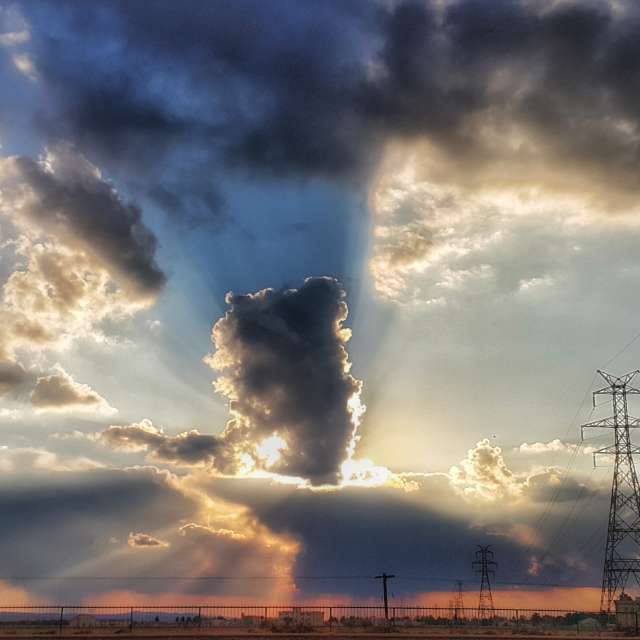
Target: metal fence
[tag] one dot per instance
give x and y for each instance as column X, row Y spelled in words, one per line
column 295, row 618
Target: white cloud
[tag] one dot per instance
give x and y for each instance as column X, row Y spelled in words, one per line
column 435, row 239
column 485, row 476
column 553, row 446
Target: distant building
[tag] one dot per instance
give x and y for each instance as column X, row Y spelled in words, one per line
column 302, row 616
column 83, row 620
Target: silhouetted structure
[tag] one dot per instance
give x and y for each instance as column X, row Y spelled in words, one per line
column 384, row 577
column 622, row 551
column 458, row 602
column 485, row 565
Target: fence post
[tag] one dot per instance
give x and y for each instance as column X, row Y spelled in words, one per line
column 199, row 617
column 265, row 615
column 330, row 618
column 61, row 617
column 131, row 619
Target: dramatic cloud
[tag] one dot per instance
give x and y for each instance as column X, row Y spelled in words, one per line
column 145, row 541
column 54, row 296
column 106, row 516
column 439, row 243
column 285, row 370
column 188, row 448
column 430, row 532
column 485, row 476
column 490, row 86
column 77, row 256
column 295, row 408
column 60, row 392
column 66, row 196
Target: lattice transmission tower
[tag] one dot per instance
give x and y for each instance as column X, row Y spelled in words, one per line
column 485, row 566
column 458, row 602
column 622, row 551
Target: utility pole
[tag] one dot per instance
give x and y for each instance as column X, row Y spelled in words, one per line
column 485, row 565
column 384, row 577
column 622, row 551
column 458, row 602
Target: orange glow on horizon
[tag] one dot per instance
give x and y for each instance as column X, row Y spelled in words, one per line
column 561, row 598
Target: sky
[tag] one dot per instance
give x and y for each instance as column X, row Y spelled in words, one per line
column 318, row 288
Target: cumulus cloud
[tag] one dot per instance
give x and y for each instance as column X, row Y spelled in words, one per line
column 145, row 541
column 485, row 476
column 78, row 255
column 60, row 392
column 56, row 295
column 295, row 408
column 187, row 448
column 66, row 196
column 285, row 369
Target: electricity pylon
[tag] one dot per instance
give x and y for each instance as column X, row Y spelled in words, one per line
column 458, row 602
column 622, row 552
column 485, row 565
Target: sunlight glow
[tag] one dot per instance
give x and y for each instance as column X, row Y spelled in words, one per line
column 269, row 451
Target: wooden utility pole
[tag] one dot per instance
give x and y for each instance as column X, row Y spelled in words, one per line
column 384, row 577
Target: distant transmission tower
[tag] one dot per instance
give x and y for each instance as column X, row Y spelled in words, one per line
column 485, row 566
column 622, row 552
column 458, row 602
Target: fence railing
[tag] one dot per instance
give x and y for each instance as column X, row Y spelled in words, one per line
column 287, row 617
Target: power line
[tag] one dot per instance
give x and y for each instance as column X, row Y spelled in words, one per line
column 419, row 578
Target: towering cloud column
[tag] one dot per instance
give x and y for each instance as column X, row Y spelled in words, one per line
column 295, row 407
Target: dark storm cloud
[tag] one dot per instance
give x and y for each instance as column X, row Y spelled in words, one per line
column 220, row 84
column 357, row 531
column 70, row 518
column 284, row 366
column 68, row 197
column 122, row 523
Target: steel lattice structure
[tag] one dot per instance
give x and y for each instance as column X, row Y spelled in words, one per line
column 622, row 551
column 458, row 601
column 485, row 566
